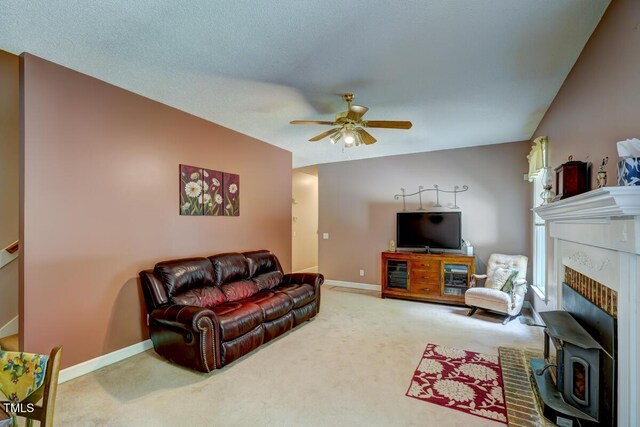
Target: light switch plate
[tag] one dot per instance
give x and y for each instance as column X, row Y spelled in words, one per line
column 325, row 236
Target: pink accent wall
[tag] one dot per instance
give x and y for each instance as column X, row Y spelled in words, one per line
column 357, row 208
column 99, row 199
column 598, row 104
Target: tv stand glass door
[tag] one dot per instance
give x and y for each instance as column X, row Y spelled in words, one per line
column 398, row 274
column 455, row 279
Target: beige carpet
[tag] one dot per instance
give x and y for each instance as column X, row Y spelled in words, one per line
column 350, row 366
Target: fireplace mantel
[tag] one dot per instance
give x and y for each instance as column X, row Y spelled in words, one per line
column 607, row 218
column 602, row 203
column 598, row 234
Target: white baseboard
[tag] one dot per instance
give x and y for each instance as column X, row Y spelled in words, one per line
column 354, row 285
column 11, row 328
column 84, row 368
column 313, row 269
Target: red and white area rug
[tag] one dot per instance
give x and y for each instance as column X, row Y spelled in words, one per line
column 462, row 380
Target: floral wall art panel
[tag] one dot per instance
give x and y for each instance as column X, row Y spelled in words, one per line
column 212, row 193
column 191, row 186
column 231, row 194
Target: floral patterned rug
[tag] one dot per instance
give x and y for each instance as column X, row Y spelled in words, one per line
column 462, row 380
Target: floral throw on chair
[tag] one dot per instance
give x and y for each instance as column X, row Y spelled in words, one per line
column 21, row 374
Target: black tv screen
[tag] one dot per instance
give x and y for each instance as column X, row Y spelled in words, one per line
column 437, row 230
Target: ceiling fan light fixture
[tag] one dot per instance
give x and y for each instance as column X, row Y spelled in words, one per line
column 335, row 137
column 349, row 139
column 358, row 139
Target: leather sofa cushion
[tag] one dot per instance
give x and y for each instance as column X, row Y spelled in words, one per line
column 268, row 280
column 237, row 319
column 304, row 313
column 273, row 305
column 300, row 294
column 229, row 267
column 202, row 297
column 230, row 351
column 155, row 293
column 262, row 262
column 236, row 291
column 180, row 275
column 278, row 326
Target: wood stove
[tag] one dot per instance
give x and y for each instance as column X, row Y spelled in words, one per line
column 581, row 385
column 576, row 380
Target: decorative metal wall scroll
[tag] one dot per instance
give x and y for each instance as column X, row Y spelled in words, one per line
column 435, row 188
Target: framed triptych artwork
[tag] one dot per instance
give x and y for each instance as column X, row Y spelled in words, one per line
column 208, row 192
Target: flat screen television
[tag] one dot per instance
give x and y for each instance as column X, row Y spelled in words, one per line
column 433, row 230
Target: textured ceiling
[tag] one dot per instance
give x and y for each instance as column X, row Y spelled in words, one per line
column 466, row 72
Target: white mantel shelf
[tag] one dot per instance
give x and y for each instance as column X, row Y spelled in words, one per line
column 602, row 203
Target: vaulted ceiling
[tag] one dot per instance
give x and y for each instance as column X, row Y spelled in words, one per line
column 465, row 72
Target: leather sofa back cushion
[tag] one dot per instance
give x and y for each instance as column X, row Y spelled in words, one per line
column 229, row 267
column 241, row 289
column 154, row 290
column 268, row 280
column 208, row 297
column 262, row 262
column 180, row 275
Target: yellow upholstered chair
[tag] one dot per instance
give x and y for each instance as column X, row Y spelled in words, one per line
column 43, row 412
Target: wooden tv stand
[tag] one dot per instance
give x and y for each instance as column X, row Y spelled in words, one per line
column 427, row 277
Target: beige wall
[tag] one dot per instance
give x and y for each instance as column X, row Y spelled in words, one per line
column 599, row 103
column 9, row 162
column 100, row 203
column 305, row 221
column 358, row 210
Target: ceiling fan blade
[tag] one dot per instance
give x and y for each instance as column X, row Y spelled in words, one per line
column 324, row 134
column 387, row 124
column 311, row 122
column 356, row 112
column 367, row 138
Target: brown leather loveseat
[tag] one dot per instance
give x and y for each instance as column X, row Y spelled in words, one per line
column 204, row 313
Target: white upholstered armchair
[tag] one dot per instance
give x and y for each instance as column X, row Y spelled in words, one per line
column 500, row 269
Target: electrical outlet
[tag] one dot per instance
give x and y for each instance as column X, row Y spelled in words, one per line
column 325, row 236
column 361, row 273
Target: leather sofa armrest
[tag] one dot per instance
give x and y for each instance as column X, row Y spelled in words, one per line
column 313, row 279
column 183, row 316
column 187, row 335
column 477, row 279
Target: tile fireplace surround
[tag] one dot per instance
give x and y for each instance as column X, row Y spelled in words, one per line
column 597, row 234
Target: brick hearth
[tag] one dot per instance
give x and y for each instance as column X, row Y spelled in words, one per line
column 523, row 409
